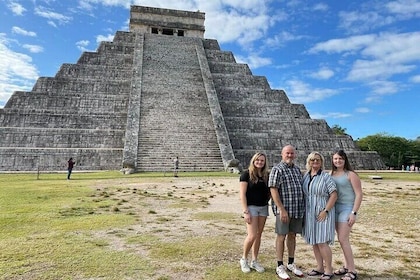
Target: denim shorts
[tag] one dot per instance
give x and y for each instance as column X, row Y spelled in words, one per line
column 342, row 212
column 258, row 210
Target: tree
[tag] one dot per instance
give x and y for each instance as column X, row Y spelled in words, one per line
column 394, row 151
column 338, row 130
column 414, row 152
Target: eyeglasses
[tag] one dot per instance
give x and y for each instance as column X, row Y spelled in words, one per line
column 315, row 159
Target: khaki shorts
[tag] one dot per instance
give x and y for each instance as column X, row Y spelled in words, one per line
column 294, row 225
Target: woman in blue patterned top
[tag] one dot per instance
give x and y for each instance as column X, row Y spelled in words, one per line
column 319, row 227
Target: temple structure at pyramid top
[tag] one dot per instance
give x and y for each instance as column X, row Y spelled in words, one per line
column 157, row 92
column 167, row 22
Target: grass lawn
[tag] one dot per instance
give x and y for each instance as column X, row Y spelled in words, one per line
column 105, row 225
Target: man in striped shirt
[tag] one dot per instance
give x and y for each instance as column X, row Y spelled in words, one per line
column 288, row 205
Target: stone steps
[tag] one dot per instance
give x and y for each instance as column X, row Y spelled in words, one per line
column 174, row 119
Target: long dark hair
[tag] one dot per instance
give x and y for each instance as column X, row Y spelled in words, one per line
column 347, row 165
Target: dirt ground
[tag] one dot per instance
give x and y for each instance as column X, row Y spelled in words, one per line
column 385, row 239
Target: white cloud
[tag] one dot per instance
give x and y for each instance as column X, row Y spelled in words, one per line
column 331, row 115
column 395, row 48
column 90, row 4
column 52, row 16
column 362, row 110
column 16, row 8
column 33, row 48
column 415, row 79
column 241, row 28
column 293, row 63
column 16, row 70
column 52, row 23
column 350, row 44
column 407, row 8
column 281, row 39
column 368, row 70
column 369, row 17
column 358, row 22
column 254, row 60
column 85, row 5
column 379, row 56
column 301, row 92
column 388, row 55
column 384, row 87
column 320, row 7
column 381, row 89
column 21, row 31
column 323, row 74
column 81, row 45
column 107, row 38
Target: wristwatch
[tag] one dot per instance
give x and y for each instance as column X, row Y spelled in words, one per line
column 354, row 213
column 326, row 211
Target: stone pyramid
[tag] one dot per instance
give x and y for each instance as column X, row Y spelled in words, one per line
column 154, row 93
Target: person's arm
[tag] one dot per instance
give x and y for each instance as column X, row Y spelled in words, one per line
column 331, row 201
column 275, row 196
column 357, row 188
column 331, row 189
column 330, row 204
column 243, row 186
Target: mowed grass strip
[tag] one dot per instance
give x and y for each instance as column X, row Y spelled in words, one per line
column 46, row 226
column 49, row 225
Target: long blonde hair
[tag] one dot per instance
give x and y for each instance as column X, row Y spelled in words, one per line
column 311, row 156
column 254, row 173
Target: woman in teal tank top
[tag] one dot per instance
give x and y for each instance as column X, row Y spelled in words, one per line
column 349, row 190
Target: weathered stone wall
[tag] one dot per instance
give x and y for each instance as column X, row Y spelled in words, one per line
column 81, row 112
column 133, row 113
column 144, row 99
column 261, row 119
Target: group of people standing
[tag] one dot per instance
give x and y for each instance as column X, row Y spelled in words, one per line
column 316, row 204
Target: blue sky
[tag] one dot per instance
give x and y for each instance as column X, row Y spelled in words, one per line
column 355, row 64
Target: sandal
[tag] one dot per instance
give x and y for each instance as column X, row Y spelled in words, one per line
column 343, row 270
column 315, row 273
column 349, row 276
column 326, row 276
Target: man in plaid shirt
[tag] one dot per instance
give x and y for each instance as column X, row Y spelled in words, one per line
column 288, row 205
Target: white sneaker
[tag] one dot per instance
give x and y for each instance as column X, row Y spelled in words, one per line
column 256, row 265
column 244, row 265
column 293, row 268
column 281, row 272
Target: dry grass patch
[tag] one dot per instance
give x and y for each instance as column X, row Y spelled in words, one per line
column 161, row 228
